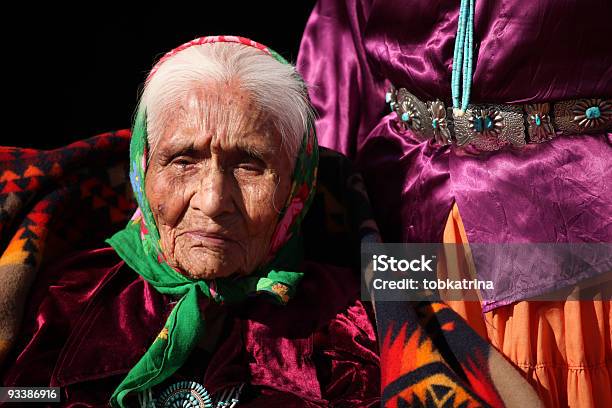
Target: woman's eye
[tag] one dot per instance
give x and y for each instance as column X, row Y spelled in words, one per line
column 182, row 163
column 249, row 167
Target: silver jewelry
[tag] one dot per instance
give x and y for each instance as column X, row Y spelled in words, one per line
column 489, row 127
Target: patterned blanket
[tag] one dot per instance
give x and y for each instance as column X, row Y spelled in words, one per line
column 51, row 203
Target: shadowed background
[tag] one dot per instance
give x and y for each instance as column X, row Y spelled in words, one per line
column 76, row 72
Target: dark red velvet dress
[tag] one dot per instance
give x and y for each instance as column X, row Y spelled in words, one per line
column 91, row 318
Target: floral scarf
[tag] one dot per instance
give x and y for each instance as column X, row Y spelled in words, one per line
column 139, row 245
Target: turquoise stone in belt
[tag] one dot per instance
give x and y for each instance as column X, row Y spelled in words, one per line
column 593, row 112
column 538, row 120
column 434, row 123
column 405, row 117
column 483, row 123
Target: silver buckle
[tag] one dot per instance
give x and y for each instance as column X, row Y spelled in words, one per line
column 581, row 115
column 539, row 122
column 428, row 120
column 490, row 127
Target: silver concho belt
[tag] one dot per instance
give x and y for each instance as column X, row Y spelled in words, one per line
column 489, row 127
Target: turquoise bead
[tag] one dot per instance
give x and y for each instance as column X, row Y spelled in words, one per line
column 434, row 123
column 405, row 117
column 488, row 123
column 478, row 124
column 461, row 79
column 538, row 120
column 593, row 112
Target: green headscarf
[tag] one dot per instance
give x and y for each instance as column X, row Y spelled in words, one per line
column 139, row 245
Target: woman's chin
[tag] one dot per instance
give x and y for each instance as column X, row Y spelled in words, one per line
column 198, row 268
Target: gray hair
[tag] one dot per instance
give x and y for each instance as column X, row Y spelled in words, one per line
column 275, row 87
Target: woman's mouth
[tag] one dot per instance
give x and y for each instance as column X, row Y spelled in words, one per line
column 210, row 239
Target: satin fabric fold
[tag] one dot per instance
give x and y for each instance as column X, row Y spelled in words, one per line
column 352, row 51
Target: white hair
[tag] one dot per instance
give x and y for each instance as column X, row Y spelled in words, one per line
column 275, row 87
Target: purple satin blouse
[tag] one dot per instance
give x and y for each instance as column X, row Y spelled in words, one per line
column 90, row 318
column 537, row 51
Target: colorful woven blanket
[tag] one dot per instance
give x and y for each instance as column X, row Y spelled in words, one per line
column 54, row 202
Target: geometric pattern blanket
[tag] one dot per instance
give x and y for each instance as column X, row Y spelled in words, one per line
column 431, row 357
column 68, row 199
column 51, row 203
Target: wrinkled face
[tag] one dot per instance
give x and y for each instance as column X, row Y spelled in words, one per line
column 216, row 182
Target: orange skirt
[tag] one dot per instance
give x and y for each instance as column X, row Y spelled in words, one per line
column 563, row 348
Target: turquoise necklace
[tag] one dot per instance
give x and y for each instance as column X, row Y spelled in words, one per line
column 461, row 80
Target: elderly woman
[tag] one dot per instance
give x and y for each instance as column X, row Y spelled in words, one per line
column 205, row 297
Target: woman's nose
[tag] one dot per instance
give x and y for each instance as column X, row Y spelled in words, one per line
column 213, row 196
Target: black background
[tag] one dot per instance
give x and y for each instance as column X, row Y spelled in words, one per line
column 74, row 72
